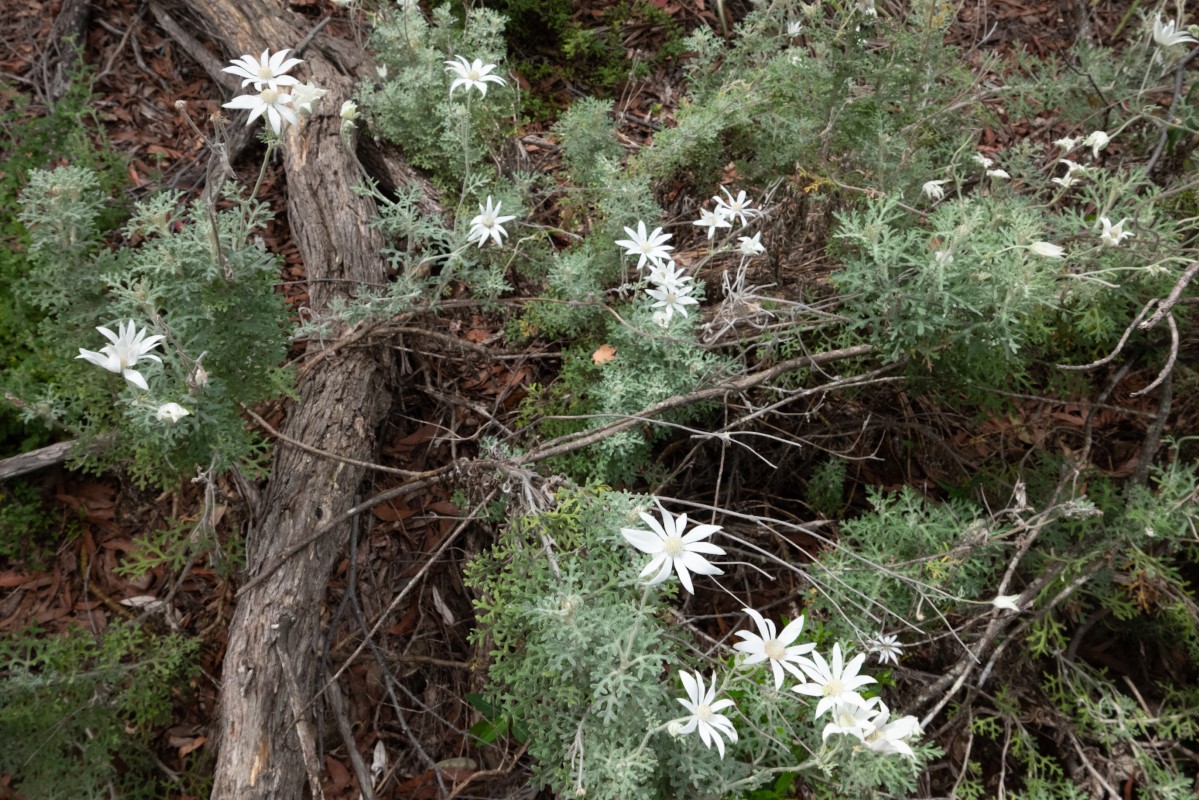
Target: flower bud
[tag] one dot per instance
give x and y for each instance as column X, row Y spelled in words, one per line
column 171, row 413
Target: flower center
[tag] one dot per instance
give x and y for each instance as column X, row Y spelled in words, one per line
column 265, row 72
column 673, row 547
column 269, row 95
column 488, row 221
column 834, row 688
column 703, row 713
column 646, row 247
column 473, row 75
column 774, row 649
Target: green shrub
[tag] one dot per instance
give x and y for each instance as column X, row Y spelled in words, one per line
column 75, row 706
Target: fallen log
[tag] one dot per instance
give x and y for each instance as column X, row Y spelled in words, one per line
column 265, row 734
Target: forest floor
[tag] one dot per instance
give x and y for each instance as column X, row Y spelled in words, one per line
column 140, row 75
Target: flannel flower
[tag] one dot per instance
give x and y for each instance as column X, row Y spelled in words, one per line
column 1112, row 235
column 833, row 683
column 171, row 413
column 651, row 247
column 711, row 220
column 1096, row 140
column 734, row 208
column 305, row 95
column 932, row 189
column 275, row 103
column 1165, row 35
column 472, row 75
column 777, row 648
column 751, row 245
column 885, row 648
column 672, row 550
column 266, row 71
column 703, row 706
column 668, row 274
column 488, row 224
column 851, row 719
column 887, row 736
column 672, row 298
column 128, row 346
column 1048, row 249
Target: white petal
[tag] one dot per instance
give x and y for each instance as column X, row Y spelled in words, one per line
column 135, row 377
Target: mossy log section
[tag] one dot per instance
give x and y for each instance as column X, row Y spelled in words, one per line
column 275, row 635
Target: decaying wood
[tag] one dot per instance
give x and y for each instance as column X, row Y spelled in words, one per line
column 23, row 464
column 259, row 748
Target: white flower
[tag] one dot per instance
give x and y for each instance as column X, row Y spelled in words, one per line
column 733, row 208
column 661, row 318
column 888, row 736
column 1006, row 602
column 751, row 245
column 472, row 75
column 794, row 27
column 711, row 220
column 265, row 71
column 668, row 275
column 128, row 347
column 1096, row 140
column 1067, row 144
column 488, row 224
column 833, row 684
column 704, row 707
column 982, row 160
column 1113, row 234
column 852, row 719
column 348, row 114
column 1068, row 180
column 648, row 248
column 304, row 95
column 171, row 413
column 1165, row 35
column 381, row 72
column 671, row 550
column 672, row 298
column 999, row 173
column 1048, row 249
column 768, row 645
column 274, row 102
column 943, row 257
column 887, row 648
column 933, row 190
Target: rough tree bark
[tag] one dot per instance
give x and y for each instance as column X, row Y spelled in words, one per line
column 269, row 672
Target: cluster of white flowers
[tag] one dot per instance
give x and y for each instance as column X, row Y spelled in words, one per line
column 670, row 287
column 281, row 97
column 125, row 349
column 836, row 683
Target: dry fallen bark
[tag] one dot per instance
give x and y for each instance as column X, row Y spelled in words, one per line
column 275, row 633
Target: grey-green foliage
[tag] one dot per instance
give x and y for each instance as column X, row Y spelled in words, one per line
column 586, row 660
column 588, row 137
column 964, row 290
column 209, row 290
column 901, row 553
column 576, row 649
column 864, row 96
column 412, row 106
column 72, row 705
